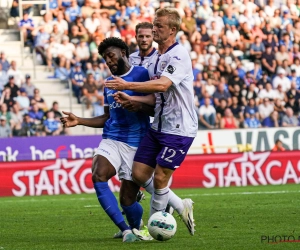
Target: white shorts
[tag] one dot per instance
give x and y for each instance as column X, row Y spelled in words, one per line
column 120, row 155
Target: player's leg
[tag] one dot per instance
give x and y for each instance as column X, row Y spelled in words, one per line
column 174, row 150
column 144, row 166
column 129, row 189
column 105, row 165
column 132, row 209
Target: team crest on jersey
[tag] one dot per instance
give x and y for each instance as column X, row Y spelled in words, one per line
column 170, row 69
column 163, row 64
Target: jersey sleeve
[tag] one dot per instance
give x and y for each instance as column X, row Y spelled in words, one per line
column 177, row 68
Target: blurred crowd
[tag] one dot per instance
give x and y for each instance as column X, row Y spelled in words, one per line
column 23, row 111
column 245, row 53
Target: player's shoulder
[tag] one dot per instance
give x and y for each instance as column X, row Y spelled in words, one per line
column 134, row 54
column 139, row 69
column 178, row 52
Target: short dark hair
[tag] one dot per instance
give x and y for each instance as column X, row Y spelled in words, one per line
column 143, row 25
column 112, row 42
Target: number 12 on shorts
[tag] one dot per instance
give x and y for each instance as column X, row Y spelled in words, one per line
column 172, row 154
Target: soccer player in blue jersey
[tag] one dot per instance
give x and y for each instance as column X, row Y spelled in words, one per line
column 175, row 124
column 122, row 132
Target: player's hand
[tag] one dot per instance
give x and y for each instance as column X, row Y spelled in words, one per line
column 127, row 102
column 116, row 83
column 70, row 120
column 121, row 97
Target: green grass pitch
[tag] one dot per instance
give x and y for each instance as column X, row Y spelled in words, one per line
column 226, row 218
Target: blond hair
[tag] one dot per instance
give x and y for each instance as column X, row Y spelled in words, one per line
column 174, row 19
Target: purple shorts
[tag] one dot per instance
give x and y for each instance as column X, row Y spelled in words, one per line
column 166, row 150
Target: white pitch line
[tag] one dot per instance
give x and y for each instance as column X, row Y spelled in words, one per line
column 244, row 193
column 91, row 206
column 204, row 194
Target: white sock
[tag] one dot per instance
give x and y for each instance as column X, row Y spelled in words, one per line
column 148, row 185
column 159, row 200
column 174, row 200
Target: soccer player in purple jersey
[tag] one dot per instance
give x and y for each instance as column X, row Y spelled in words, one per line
column 175, row 123
column 122, row 132
column 144, row 39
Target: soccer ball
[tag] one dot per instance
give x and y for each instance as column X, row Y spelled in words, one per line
column 162, row 226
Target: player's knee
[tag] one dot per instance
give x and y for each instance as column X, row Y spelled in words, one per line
column 99, row 177
column 160, row 180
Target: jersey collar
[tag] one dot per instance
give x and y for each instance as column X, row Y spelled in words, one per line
column 150, row 54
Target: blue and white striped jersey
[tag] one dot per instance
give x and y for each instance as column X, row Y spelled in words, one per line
column 125, row 126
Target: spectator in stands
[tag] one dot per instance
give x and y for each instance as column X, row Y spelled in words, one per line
column 91, row 23
column 3, row 79
column 74, row 35
column 207, row 115
column 292, row 103
column 271, row 121
column 7, row 98
column 257, row 48
column 220, row 110
column 261, row 84
column 289, row 120
column 82, row 52
column 28, row 128
column 268, row 92
column 249, row 93
column 278, row 147
column 281, row 55
column 67, row 50
column 54, row 8
column 221, row 93
column 51, row 125
column 282, row 80
column 17, row 74
column 28, row 86
column 251, row 106
column 90, row 91
column 279, row 94
column 26, row 26
column 5, row 112
column 77, row 77
column 5, row 130
column 39, row 100
column 14, row 89
column 235, row 80
column 81, row 29
column 16, row 119
column 56, row 34
column 62, row 72
column 237, row 110
column 295, row 68
column 52, row 51
column 252, row 121
column 61, row 23
column 265, row 109
column 72, row 12
column 113, row 32
column 41, row 39
column 3, row 61
column 188, row 25
column 183, row 41
column 105, row 20
column 228, row 121
column 23, row 101
column 268, row 61
column 128, row 30
column 94, row 45
column 36, row 114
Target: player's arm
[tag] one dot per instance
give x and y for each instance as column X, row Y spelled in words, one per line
column 136, row 103
column 159, row 85
column 72, row 120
